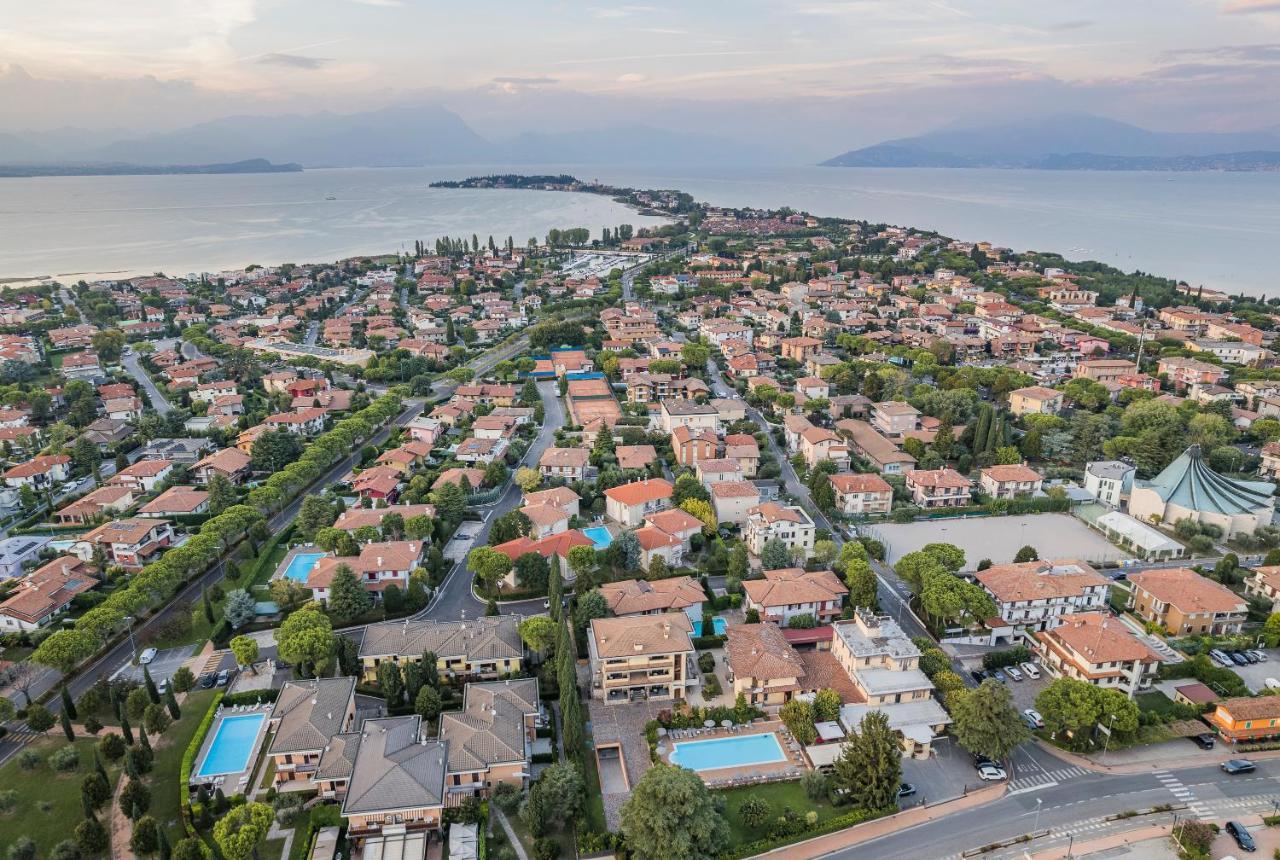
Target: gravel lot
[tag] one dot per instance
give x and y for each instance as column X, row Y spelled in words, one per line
column 1000, row 538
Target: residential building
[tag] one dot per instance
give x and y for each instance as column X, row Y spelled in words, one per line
column 772, row 521
column 1109, row 481
column 397, row 783
column 938, row 488
column 305, row 718
column 380, row 564
column 1035, row 400
column 1098, row 649
column 484, row 647
column 356, row 518
column 1185, row 603
column 1036, row 595
column 177, row 502
column 692, row 446
column 46, row 593
column 1009, row 481
column 130, row 543
column 39, row 473
column 894, row 418
column 883, row 455
column 763, row 667
column 1264, row 581
column 1246, row 719
column 143, row 476
column 791, row 592
column 641, row 658
column 1104, row 369
column 733, row 501
column 862, row 494
column 818, row 444
column 561, row 497
column 655, row 597
column 230, row 463
column 490, row 740
column 628, row 504
column 567, row 463
column 687, row 413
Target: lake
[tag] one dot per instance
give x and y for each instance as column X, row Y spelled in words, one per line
column 1216, row 229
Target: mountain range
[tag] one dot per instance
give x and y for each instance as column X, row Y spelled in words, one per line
column 1071, row 142
column 401, row 136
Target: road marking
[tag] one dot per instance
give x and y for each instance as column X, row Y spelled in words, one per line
column 1046, row 779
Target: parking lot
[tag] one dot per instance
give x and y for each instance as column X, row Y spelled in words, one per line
column 943, row 776
column 1255, row 675
column 166, row 662
column 463, row 539
column 1000, row 538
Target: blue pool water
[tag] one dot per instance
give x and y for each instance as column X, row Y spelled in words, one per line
column 717, row 624
column 599, row 536
column 232, row 746
column 300, row 565
column 735, row 751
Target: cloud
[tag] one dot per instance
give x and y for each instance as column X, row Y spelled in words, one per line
column 294, row 61
column 526, row 82
column 384, row 4
column 632, row 78
column 615, row 12
column 1249, row 7
column 1070, row 25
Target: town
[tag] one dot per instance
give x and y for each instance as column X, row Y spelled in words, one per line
column 754, row 531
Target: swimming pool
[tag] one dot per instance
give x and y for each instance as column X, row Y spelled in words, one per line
column 733, row 751
column 717, row 624
column 300, row 565
column 232, row 746
column 599, row 536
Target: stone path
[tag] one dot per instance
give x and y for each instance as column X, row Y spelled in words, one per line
column 511, row 833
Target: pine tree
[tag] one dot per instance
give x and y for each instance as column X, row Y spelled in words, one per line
column 347, row 598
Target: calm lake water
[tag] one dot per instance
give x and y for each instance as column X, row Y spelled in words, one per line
column 1216, row 229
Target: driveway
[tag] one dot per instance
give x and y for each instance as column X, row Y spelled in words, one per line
column 164, row 665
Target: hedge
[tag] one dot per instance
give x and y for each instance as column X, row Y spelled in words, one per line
column 324, row 815
column 831, row 825
column 251, row 697
column 189, row 760
column 704, row 642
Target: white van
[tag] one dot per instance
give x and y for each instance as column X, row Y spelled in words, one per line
column 1032, row 672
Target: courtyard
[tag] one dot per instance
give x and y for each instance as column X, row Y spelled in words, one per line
column 1000, row 538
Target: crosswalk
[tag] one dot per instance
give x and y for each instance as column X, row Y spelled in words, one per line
column 1045, row 779
column 1184, row 794
column 21, row 736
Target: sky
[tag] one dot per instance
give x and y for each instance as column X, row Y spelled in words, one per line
column 809, row 76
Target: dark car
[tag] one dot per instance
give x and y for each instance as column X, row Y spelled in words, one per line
column 1250, row 656
column 979, row 760
column 1241, row 835
column 1204, row 741
column 207, row 680
column 979, row 675
column 906, row 790
column 1237, row 658
column 1238, row 765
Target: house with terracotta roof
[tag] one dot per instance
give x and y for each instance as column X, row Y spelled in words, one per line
column 692, row 446
column 1246, row 719
column 555, row 545
column 743, row 448
column 377, row 483
column 143, row 476
column 130, row 543
column 654, row 597
column 938, row 488
column 490, row 740
column 862, row 494
column 45, row 593
column 380, row 564
column 547, row 520
column 230, row 463
column 715, row 470
column 733, row 501
column 785, row 594
column 1185, row 603
column 635, row 456
column 788, row 524
column 101, row 502
column 1035, row 400
column 883, row 455
column 40, row 473
column 1264, row 581
column 357, row 518
column 560, row 497
column 300, row 422
column 818, row 444
column 567, row 463
column 641, row 658
column 1097, row 648
column 763, row 666
column 894, row 418
column 1036, row 595
column 177, row 502
column 628, row 504
column 1009, row 481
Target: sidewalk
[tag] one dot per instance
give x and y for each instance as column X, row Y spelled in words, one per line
column 1152, row 843
column 1161, row 756
column 822, row 845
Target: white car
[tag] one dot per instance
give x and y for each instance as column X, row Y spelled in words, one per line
column 991, row 773
column 1033, row 718
column 1013, row 672
column 1032, row 672
column 146, row 656
column 1272, row 684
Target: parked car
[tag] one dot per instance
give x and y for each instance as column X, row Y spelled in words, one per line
column 1237, row 658
column 979, row 760
column 1250, row 656
column 1014, row 672
column 906, row 790
column 224, row 677
column 979, row 675
column 1238, row 765
column 1032, row 672
column 991, row 773
column 1204, row 741
column 1220, row 658
column 999, row 676
column 207, row 680
column 162, row 686
column 1261, row 655
column 1240, row 834
column 1033, row 718
column 146, row 656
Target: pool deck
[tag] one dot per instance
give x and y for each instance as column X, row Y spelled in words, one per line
column 305, row 549
column 238, row 782
column 727, row 777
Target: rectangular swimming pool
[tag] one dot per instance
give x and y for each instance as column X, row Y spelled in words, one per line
column 300, row 565
column 734, row 751
column 717, row 624
column 232, row 746
column 599, row 536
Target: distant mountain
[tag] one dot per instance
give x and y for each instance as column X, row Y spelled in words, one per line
column 1071, row 142
column 253, row 165
column 632, row 144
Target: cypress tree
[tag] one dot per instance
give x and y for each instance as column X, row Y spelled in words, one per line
column 208, row 604
column 97, row 765
column 66, row 726
column 68, row 706
column 171, row 702
column 152, row 692
column 125, row 729
column 995, row 435
column 144, row 742
column 555, row 589
column 981, row 429
column 164, row 844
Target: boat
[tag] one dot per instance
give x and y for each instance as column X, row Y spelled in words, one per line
column 330, row 197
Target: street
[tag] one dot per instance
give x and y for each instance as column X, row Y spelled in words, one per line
column 158, row 401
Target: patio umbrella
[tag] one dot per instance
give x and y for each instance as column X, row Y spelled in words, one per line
column 709, row 723
column 724, row 724
column 662, row 733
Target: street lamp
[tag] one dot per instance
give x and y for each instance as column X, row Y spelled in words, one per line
column 1107, row 743
column 1039, row 803
column 129, row 619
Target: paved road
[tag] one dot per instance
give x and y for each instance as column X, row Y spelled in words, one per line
column 1078, row 807
column 456, row 596
column 158, row 401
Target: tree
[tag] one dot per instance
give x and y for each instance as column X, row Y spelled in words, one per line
column 391, row 682
column 1027, row 553
column 826, row 706
column 206, row 604
column 863, row 584
column 348, row 599
column 171, row 702
column 532, row 572
column 222, row 494
column 985, row 720
column 39, row 719
column 554, row 800
column 671, row 816
column 315, row 514
column 589, row 606
column 688, row 486
column 242, row 830
column 870, row 764
column 306, row 637
column 489, row 566
column 527, row 479
column 135, row 798
column 239, row 608
column 246, row 650
column 274, row 450
column 427, row 703
column 91, row 837
column 1069, row 705
column 774, row 555
column 146, row 836
column 95, row 790
column 755, row 812
column 111, row 746
column 539, row 633
column 704, row 512
column 582, row 561
column 798, row 716
column 508, row 527
column 65, row 719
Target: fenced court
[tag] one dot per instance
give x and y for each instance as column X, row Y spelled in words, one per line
column 1000, row 538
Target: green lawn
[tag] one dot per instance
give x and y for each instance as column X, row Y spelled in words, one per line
column 48, row 802
column 163, row 778
column 595, row 800
column 1156, row 702
column 779, row 795
column 272, row 849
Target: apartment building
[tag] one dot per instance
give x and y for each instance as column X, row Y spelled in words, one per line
column 484, row 647
column 656, row 597
column 938, row 488
column 733, row 501
column 1009, row 481
column 894, row 418
column 785, row 594
column 1036, row 595
column 1035, row 400
column 1110, row 481
column 1096, row 648
column 883, row 455
column 567, row 463
column 641, row 658
column 818, row 444
column 772, row 521
column 490, row 741
column 1185, row 603
column 628, row 504
column 862, row 495
column 305, row 717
